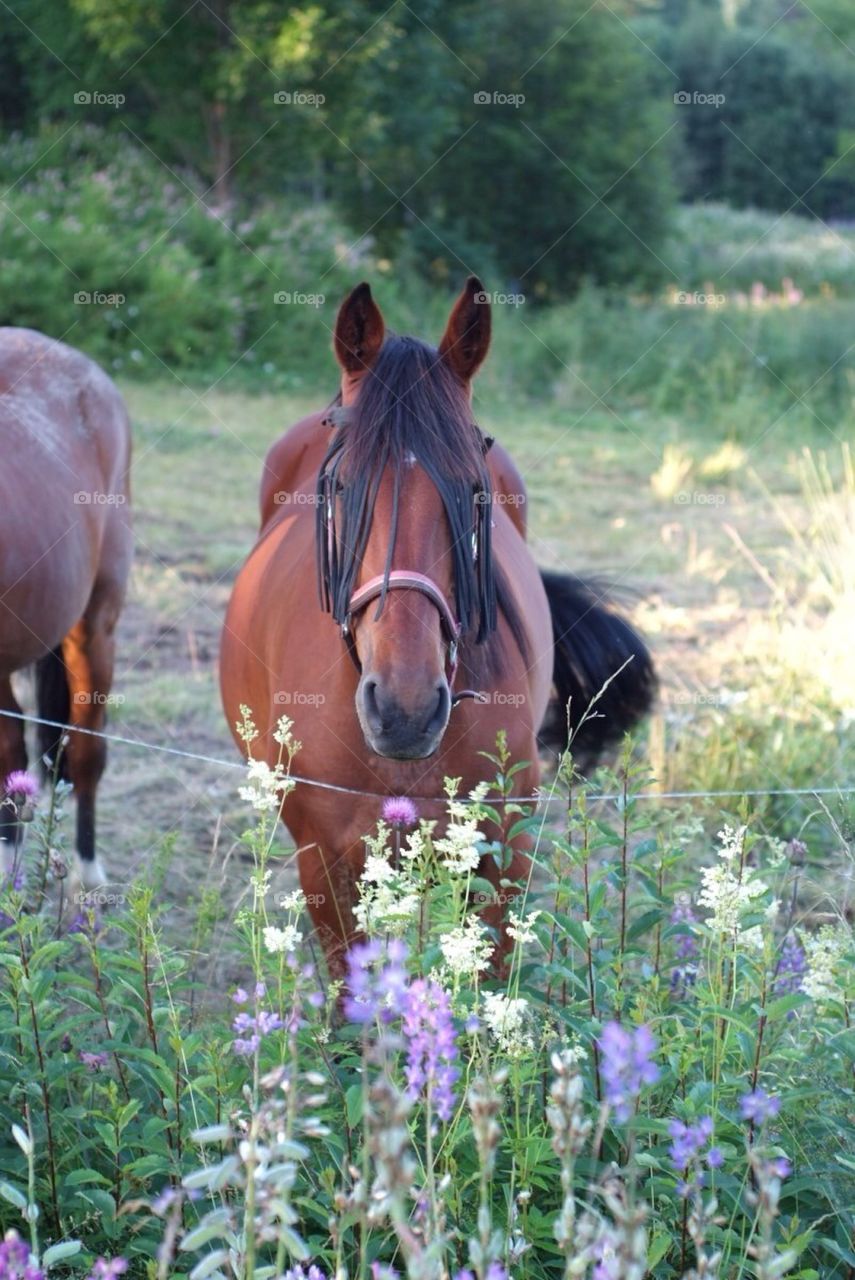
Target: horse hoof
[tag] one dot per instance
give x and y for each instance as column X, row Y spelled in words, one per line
column 90, row 872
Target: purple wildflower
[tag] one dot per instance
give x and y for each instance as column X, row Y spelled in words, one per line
column 252, row 1028
column 21, row 786
column 792, row 966
column 759, row 1106
column 627, row 1065
column 431, row 1048
column 377, row 980
column 399, row 811
column 107, row 1269
column 715, row 1159
column 15, row 1261
column 93, row 1061
column 311, row 1272
column 688, row 1141
column 684, row 919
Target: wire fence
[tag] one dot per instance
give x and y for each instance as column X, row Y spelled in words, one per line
column 539, row 797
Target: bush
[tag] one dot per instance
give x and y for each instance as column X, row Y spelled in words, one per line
column 671, row 1038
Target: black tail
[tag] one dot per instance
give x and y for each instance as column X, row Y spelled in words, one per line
column 592, row 642
column 53, row 702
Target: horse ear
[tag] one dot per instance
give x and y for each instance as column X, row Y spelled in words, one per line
column 359, row 330
column 467, row 336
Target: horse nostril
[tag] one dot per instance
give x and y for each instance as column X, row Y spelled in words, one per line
column 372, row 710
column 439, row 715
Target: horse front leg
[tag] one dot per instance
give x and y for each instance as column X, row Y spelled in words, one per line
column 329, row 878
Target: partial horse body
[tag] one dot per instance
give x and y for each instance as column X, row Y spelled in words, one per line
column 413, row 524
column 65, row 554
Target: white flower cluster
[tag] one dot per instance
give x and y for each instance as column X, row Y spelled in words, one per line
column 521, row 928
column 466, row 950
column 825, row 952
column 509, row 1022
column 265, row 788
column 279, row 940
column 287, row 939
column 729, row 889
column 458, row 848
column 388, row 895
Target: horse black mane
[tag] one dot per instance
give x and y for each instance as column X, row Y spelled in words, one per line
column 410, row 404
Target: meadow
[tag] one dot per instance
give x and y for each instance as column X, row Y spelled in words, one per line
column 664, row 1085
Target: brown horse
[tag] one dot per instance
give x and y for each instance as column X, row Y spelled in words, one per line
column 414, row 524
column 65, row 553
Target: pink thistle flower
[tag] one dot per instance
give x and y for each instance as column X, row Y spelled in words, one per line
column 399, row 811
column 21, row 785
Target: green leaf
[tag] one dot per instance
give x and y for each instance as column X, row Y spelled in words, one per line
column 209, row 1264
column 14, row 1196
column 57, row 1252
column 354, row 1100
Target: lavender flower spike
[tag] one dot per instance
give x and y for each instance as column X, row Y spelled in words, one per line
column 627, row 1065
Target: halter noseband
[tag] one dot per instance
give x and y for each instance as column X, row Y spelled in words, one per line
column 406, row 580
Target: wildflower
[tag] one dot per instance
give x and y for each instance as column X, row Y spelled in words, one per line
column 388, row 896
column 283, row 735
column 627, row 1065
column 825, row 953
column 294, row 901
column 252, row 1029
column 94, row 1061
column 727, row 895
column 278, row 940
column 15, row 1261
column 298, row 1272
column 266, row 787
column 377, row 980
column 521, row 928
column 21, row 786
column 399, row 811
column 732, row 843
column 792, row 966
column 104, row 1269
column 508, row 1020
column 466, row 950
column 687, row 1141
column 431, row 1048
column 458, row 848
column 759, row 1106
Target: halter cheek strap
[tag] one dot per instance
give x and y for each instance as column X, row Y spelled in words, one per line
column 405, row 580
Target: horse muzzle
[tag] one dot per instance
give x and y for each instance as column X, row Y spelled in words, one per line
column 400, row 733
